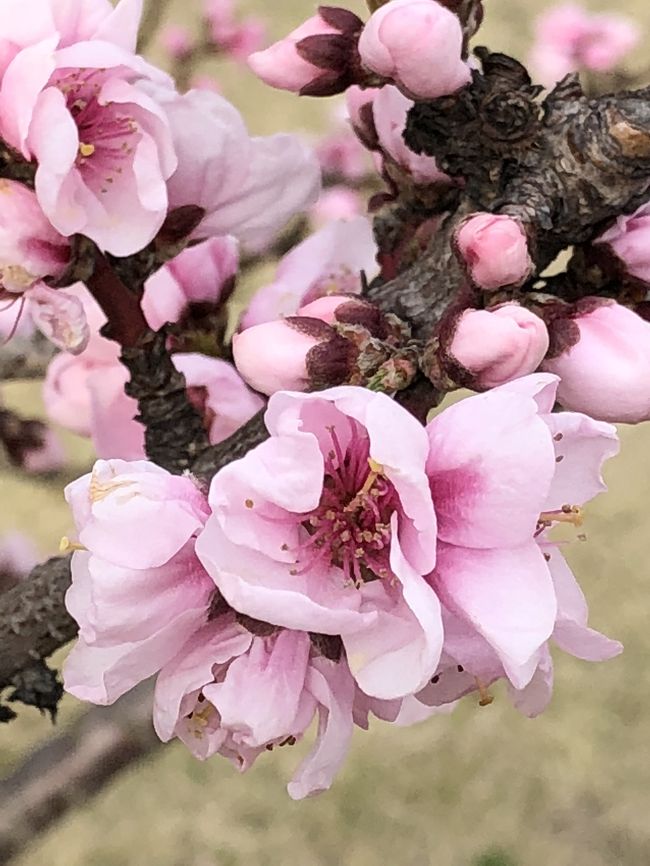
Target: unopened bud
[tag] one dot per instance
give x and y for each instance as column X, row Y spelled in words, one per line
column 418, row 44
column 606, row 372
column 494, row 248
column 316, row 59
column 496, row 346
column 293, row 354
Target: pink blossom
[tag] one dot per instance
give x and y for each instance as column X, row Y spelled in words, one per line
column 249, row 187
column 30, row 249
column 494, row 248
column 417, row 44
column 607, row 372
column 470, row 664
column 85, row 393
column 302, row 63
column 568, row 38
column 201, row 274
column 498, row 345
column 236, row 38
column 337, row 203
column 218, row 392
column 328, row 262
column 138, row 591
column 15, row 321
column 342, row 155
column 231, row 693
column 390, row 108
column 24, row 23
column 102, row 145
column 60, row 316
column 65, row 389
column 177, row 41
column 629, row 239
column 502, row 468
column 328, row 527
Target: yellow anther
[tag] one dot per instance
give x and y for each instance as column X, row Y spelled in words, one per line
column 86, row 149
column 65, row 545
column 99, row 490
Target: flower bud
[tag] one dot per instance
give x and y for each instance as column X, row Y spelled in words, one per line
column 316, row 58
column 30, row 248
column 292, row 354
column 498, row 345
column 606, row 373
column 494, row 248
column 418, row 44
column 629, row 240
column 176, row 41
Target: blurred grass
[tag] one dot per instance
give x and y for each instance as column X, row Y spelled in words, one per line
column 478, row 788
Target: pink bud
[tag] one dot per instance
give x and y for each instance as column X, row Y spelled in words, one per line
column 495, row 250
column 30, row 248
column 629, row 239
column 176, row 41
column 499, row 345
column 417, row 43
column 606, row 374
column 274, row 356
column 307, row 61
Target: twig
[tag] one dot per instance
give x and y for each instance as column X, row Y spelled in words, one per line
column 70, row 768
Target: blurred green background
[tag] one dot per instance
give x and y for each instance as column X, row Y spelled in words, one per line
column 482, row 787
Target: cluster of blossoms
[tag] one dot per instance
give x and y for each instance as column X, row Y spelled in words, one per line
column 354, row 562
column 112, row 148
column 357, row 562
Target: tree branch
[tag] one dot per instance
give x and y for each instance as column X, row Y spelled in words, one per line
column 72, row 767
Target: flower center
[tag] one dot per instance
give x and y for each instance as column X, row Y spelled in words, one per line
column 350, row 527
column 107, row 133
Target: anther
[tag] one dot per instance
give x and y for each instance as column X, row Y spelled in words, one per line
column 65, row 545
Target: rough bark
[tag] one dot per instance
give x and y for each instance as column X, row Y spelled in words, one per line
column 33, row 619
column 565, row 167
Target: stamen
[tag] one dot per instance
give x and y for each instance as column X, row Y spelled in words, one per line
column 65, row 545
column 99, row 490
column 86, row 149
column 485, row 698
column 568, row 514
